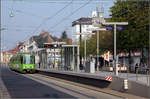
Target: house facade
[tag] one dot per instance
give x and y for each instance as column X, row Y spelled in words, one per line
column 81, row 25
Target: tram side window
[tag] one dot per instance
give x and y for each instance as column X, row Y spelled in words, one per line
column 32, row 60
column 21, row 59
column 24, row 61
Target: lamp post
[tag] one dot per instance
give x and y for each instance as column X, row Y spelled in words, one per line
column 54, row 56
column 97, row 29
column 98, row 21
column 85, row 33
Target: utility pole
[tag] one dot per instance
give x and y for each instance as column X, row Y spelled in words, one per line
column 84, row 44
column 84, row 51
column 97, row 41
column 80, row 44
column 116, row 66
column 98, row 32
column 0, row 49
column 98, row 50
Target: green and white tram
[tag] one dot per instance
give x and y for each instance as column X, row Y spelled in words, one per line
column 23, row 62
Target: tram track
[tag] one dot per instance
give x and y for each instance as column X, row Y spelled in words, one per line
column 68, row 83
column 77, row 89
column 99, row 90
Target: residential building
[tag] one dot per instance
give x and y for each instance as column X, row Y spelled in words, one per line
column 8, row 54
column 84, row 24
column 81, row 25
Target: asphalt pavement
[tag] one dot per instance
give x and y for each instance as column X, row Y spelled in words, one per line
column 36, row 86
column 19, row 86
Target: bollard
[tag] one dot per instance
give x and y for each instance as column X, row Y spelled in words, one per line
column 125, row 84
column 137, row 74
column 120, row 70
column 127, row 72
column 147, row 72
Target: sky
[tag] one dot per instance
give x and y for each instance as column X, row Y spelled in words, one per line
column 22, row 19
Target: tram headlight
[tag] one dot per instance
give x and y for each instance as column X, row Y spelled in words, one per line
column 24, row 67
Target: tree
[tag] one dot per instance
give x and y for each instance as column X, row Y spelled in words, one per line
column 136, row 33
column 136, row 13
column 64, row 35
column 105, row 43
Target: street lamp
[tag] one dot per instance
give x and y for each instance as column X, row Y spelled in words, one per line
column 98, row 21
column 97, row 29
column 84, row 33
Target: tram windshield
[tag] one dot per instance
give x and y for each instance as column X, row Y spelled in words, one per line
column 28, row 59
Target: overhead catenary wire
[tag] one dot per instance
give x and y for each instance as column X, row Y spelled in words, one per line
column 60, row 0
column 49, row 18
column 70, row 15
column 75, row 2
column 65, row 17
column 20, row 11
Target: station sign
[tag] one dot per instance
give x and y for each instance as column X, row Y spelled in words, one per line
column 109, row 27
column 112, row 28
column 120, row 28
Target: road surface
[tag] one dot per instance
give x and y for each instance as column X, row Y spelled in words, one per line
column 39, row 86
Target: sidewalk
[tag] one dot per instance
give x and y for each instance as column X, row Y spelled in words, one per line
column 141, row 78
column 139, row 87
column 3, row 90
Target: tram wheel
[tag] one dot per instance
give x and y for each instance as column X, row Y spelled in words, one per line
column 31, row 71
column 24, row 71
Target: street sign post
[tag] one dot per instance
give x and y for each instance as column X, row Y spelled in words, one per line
column 115, row 28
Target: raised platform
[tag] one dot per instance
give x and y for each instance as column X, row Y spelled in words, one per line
column 80, row 74
column 98, row 79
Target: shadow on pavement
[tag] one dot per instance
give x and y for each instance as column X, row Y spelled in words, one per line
column 21, row 87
